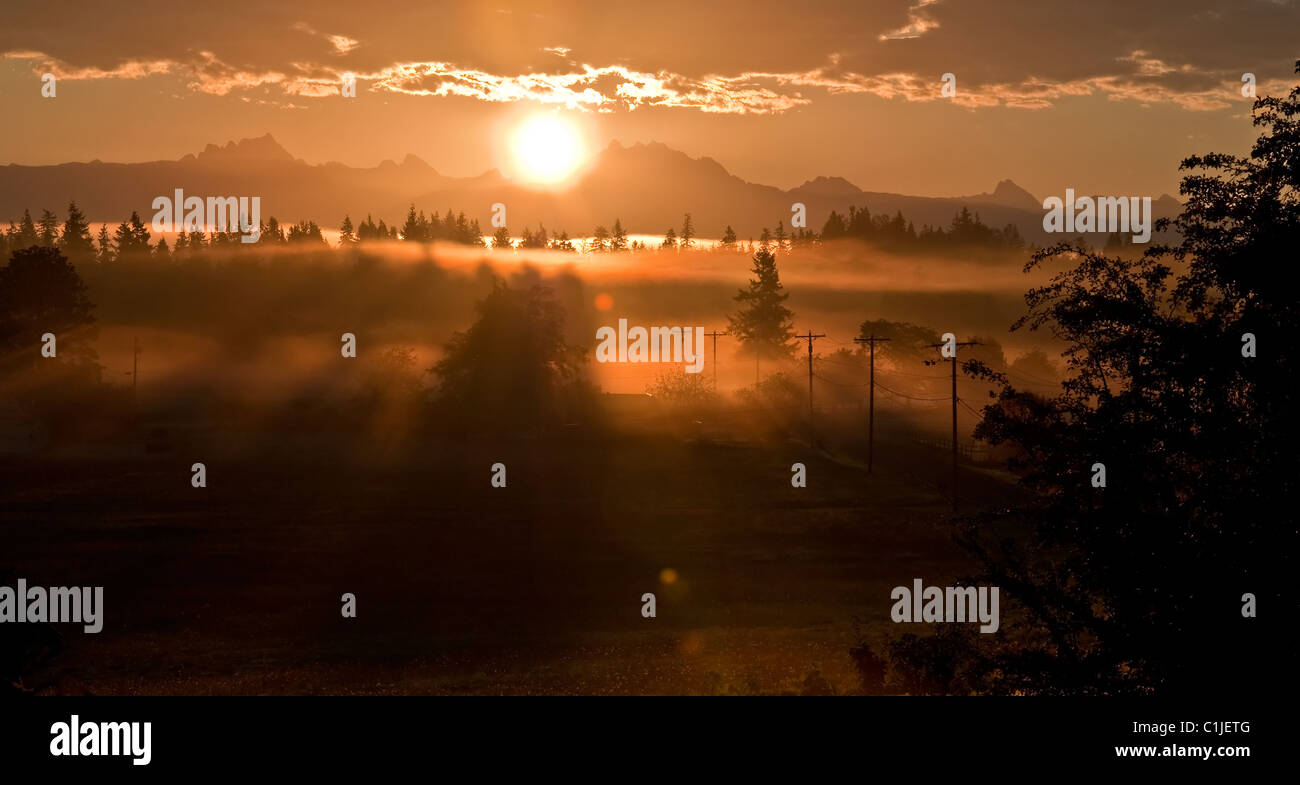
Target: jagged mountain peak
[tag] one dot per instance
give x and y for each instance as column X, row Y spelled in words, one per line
column 261, row 148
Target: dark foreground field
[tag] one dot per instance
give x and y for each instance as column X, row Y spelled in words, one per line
column 462, row 587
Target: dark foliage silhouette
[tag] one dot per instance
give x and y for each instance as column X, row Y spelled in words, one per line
column 1138, row 586
column 513, row 370
column 763, row 326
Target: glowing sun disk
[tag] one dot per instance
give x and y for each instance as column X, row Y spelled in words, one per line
column 546, row 149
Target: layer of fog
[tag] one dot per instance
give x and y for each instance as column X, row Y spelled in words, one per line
column 281, row 337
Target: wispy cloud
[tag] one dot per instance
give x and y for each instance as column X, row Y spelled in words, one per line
column 128, row 69
column 342, row 44
column 918, row 23
column 1139, row 77
column 601, row 89
column 214, row 77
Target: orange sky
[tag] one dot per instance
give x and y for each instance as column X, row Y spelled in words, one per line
column 1101, row 96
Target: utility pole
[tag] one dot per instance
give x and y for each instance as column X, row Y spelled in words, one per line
column 871, row 394
column 954, row 410
column 714, row 335
column 809, row 337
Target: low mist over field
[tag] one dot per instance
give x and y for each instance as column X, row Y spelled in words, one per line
column 276, row 322
column 764, row 349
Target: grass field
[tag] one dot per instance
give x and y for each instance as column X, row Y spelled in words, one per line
column 462, row 587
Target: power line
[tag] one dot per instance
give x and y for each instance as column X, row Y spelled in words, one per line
column 914, row 375
column 837, row 362
column 909, row 397
column 942, row 345
column 837, row 384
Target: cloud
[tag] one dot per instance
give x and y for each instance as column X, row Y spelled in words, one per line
column 214, row 77
column 1006, row 53
column 594, row 89
column 616, row 87
column 341, row 43
column 129, row 69
column 918, row 23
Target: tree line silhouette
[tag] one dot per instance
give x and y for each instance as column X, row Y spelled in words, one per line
column 966, row 230
column 132, row 240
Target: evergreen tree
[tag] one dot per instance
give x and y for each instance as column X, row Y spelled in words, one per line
column 41, row 292
column 274, row 234
column 618, row 239
column 563, row 243
column 410, row 231
column 764, row 325
column 139, row 231
column 27, row 235
column 461, row 234
column 306, row 232
column 104, row 254
column 47, row 229
column 132, row 238
column 729, row 239
column 367, row 230
column 75, row 240
column 534, row 239
column 347, row 237
column 600, row 240
column 687, row 239
column 897, row 229
column 501, row 239
column 124, row 241
column 670, row 240
column 834, row 227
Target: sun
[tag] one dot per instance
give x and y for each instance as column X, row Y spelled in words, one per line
column 546, row 149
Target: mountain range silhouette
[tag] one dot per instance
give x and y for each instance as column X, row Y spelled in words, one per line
column 648, row 186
